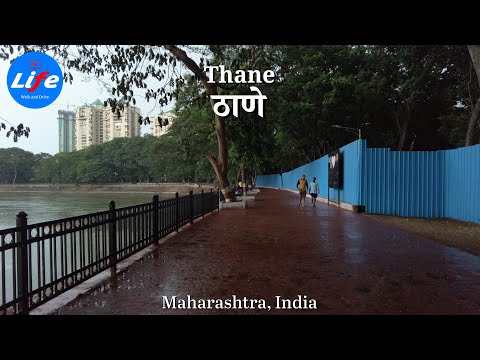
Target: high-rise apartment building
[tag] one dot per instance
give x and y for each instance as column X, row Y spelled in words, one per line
column 66, row 131
column 97, row 124
column 167, row 118
column 125, row 125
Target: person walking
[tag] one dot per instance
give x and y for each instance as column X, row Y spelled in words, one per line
column 314, row 190
column 302, row 186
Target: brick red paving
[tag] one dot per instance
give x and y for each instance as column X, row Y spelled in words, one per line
column 346, row 262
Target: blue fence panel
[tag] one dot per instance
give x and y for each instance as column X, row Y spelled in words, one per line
column 290, row 178
column 350, row 193
column 309, row 170
column 351, row 155
column 403, row 183
column 462, row 183
column 274, row 180
column 430, row 184
column 323, row 179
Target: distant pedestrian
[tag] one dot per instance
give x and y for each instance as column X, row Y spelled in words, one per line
column 302, row 186
column 314, row 190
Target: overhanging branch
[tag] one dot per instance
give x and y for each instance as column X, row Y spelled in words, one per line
column 193, row 67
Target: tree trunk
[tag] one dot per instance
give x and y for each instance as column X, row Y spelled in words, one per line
column 411, row 145
column 470, row 137
column 239, row 174
column 474, row 51
column 244, row 179
column 15, row 174
column 403, row 128
column 403, row 135
column 220, row 165
column 248, row 179
column 242, row 173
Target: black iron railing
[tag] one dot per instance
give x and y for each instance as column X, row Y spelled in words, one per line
column 40, row 261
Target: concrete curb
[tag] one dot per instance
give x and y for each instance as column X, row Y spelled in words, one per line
column 233, row 205
column 245, row 198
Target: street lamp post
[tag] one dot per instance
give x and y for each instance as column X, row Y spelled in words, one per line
column 357, row 132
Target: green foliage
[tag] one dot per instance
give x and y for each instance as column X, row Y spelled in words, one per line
column 16, row 165
column 192, row 135
column 400, row 96
column 251, row 140
column 17, row 131
column 424, row 91
column 141, row 159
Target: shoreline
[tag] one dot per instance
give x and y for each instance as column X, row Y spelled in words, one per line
column 108, row 188
column 84, row 191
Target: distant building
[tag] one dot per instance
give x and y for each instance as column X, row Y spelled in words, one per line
column 97, row 124
column 167, row 119
column 89, row 120
column 125, row 125
column 66, row 131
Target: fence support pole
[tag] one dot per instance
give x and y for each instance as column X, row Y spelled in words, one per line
column 203, row 206
column 176, row 211
column 156, row 237
column 191, row 206
column 112, row 239
column 22, row 264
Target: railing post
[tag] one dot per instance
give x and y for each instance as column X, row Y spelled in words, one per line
column 191, row 206
column 112, row 239
column 22, row 263
column 176, row 211
column 211, row 200
column 156, row 237
column 203, row 206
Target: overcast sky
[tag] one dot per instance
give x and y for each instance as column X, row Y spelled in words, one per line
column 43, row 122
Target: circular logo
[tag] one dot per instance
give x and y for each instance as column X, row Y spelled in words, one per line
column 34, row 80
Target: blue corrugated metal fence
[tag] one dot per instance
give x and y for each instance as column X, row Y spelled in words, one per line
column 443, row 183
column 403, row 183
column 462, row 183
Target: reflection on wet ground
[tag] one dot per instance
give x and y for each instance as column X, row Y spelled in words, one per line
column 345, row 262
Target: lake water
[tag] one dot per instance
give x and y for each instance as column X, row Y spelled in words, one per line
column 46, row 206
column 52, row 259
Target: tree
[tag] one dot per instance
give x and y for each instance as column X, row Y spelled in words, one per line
column 191, row 133
column 16, row 166
column 413, row 97
column 130, row 67
column 474, row 51
column 315, row 89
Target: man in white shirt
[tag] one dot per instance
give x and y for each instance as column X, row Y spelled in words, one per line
column 314, row 190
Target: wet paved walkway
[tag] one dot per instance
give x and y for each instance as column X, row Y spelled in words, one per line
column 347, row 263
